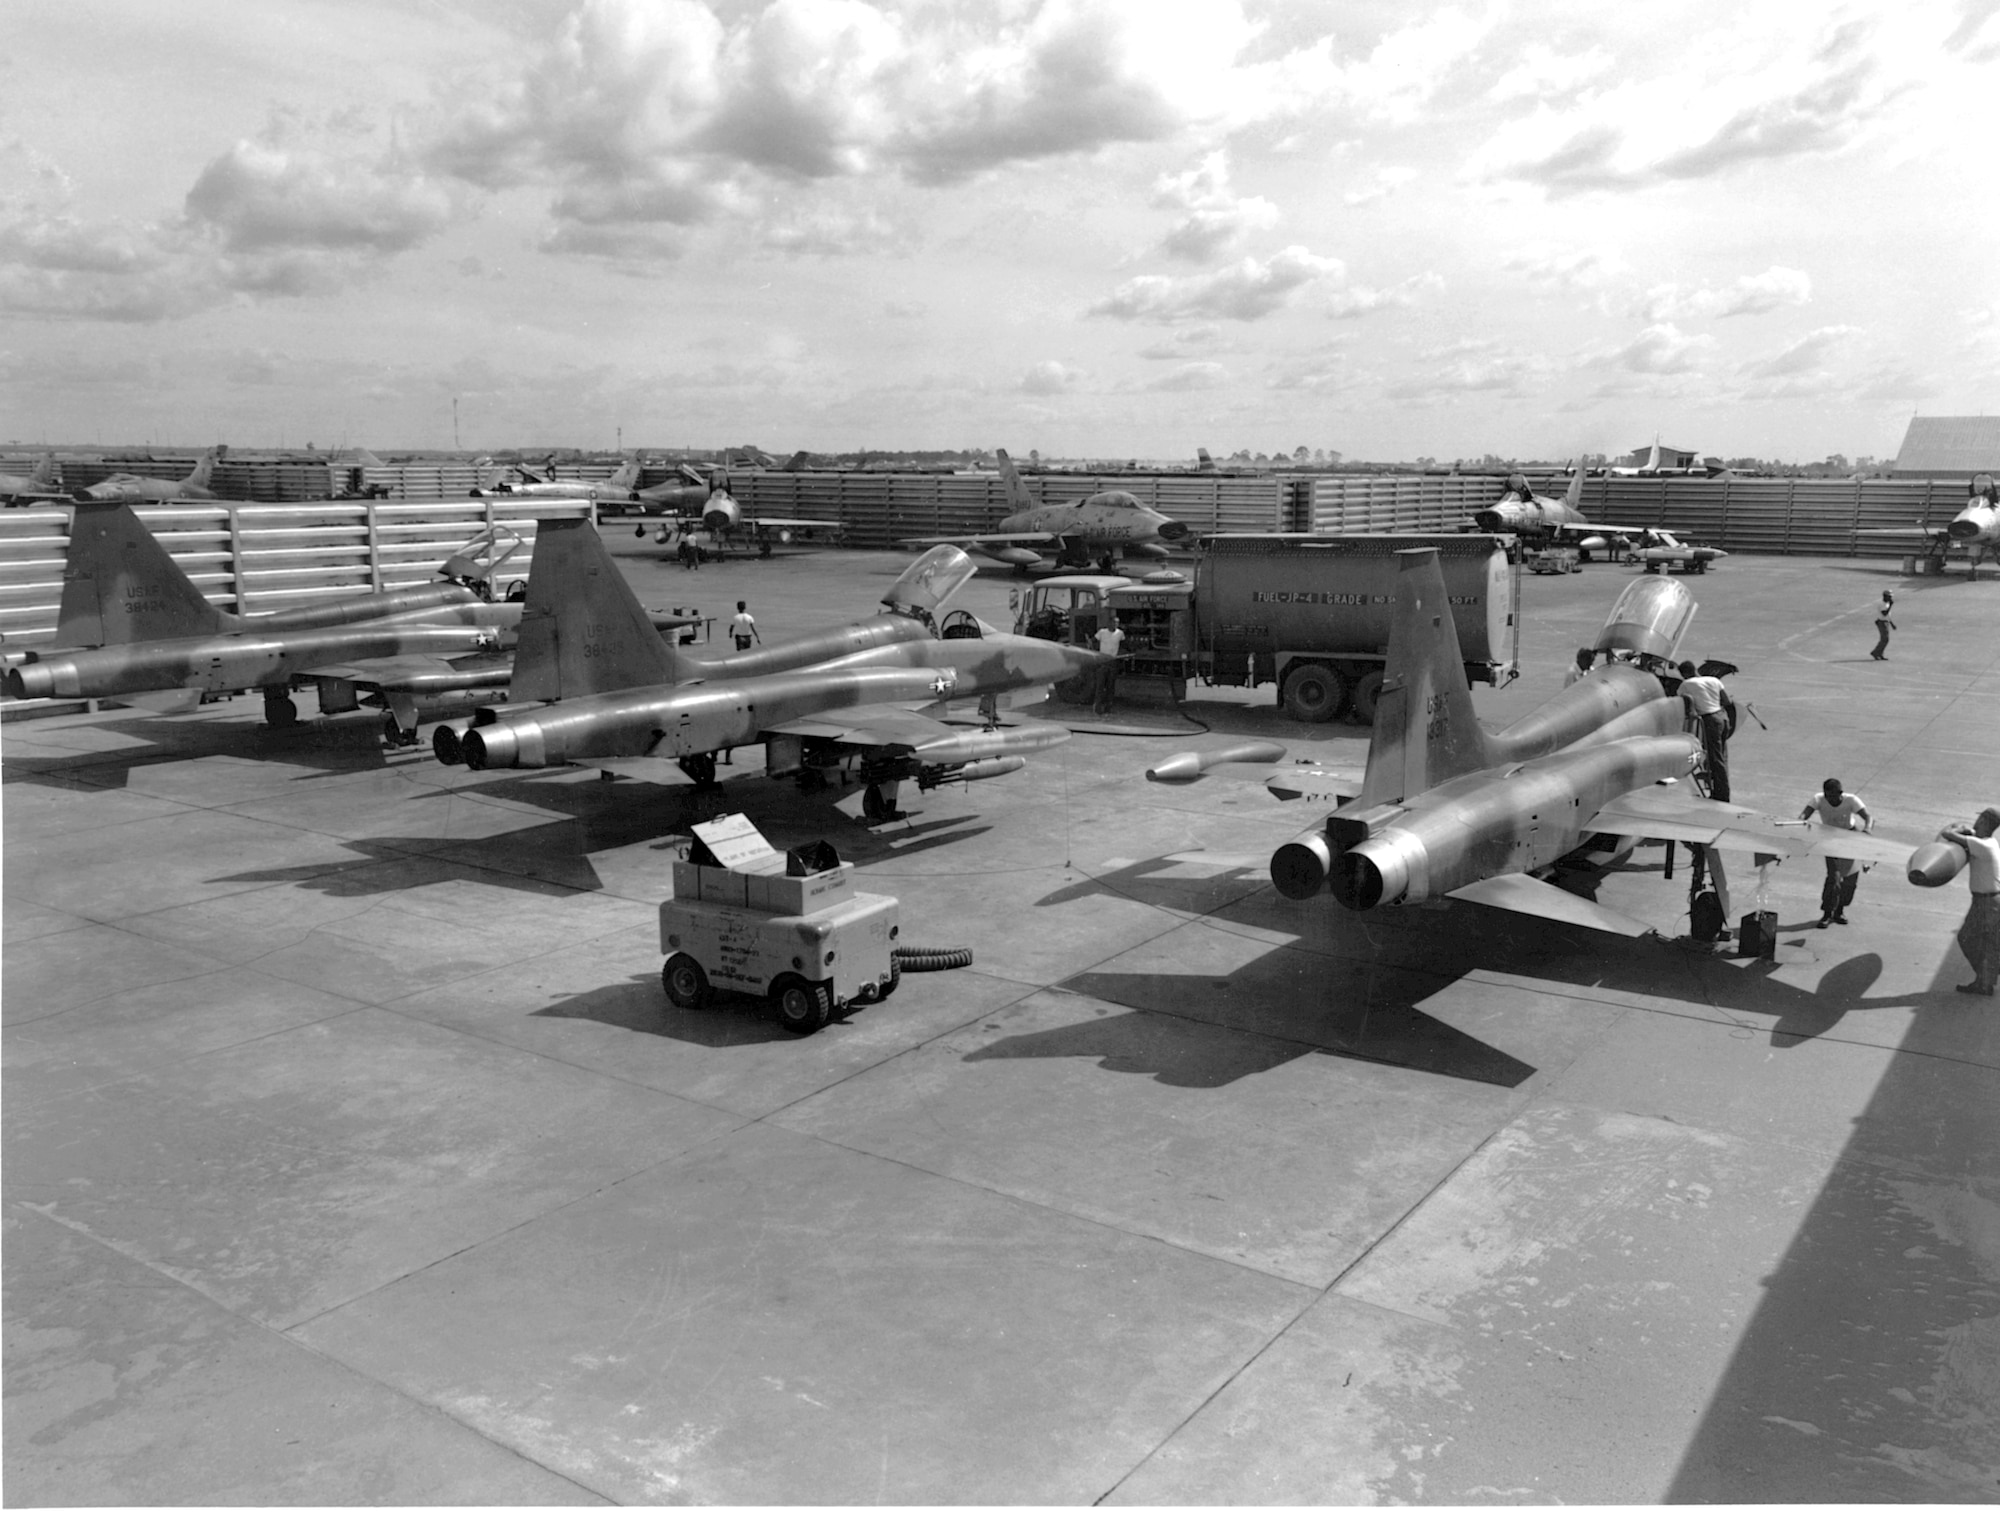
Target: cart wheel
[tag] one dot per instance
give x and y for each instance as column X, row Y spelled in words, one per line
column 888, row 987
column 279, row 710
column 802, row 1007
column 687, row 986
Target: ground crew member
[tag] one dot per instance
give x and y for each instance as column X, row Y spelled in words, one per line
column 1108, row 639
column 743, row 627
column 1843, row 874
column 1883, row 625
column 1979, row 937
column 1705, row 700
column 1586, row 658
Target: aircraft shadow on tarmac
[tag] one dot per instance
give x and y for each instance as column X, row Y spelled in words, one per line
column 339, row 745
column 1353, row 984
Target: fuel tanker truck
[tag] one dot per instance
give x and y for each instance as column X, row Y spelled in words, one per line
column 1309, row 612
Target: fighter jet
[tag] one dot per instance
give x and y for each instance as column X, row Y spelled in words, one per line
column 1975, row 529
column 1541, row 519
column 1450, row 808
column 1661, row 550
column 41, row 485
column 132, row 625
column 1096, row 528
column 625, row 702
column 125, row 487
column 618, row 487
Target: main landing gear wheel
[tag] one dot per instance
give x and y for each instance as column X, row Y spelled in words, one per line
column 1314, row 693
column 687, row 986
column 878, row 806
column 279, row 710
column 802, row 1008
column 395, row 735
column 701, row 768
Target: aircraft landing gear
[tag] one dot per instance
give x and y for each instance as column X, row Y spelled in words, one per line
column 279, row 710
column 878, row 803
column 700, row 767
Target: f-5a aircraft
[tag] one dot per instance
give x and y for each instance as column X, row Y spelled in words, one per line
column 1448, row 807
column 1975, row 529
column 125, row 487
column 133, row 626
column 1097, row 528
column 617, row 488
column 41, row 485
column 621, row 700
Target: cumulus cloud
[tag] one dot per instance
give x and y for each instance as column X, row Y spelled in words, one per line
column 1749, row 96
column 1663, row 350
column 1386, row 182
column 1244, row 291
column 1217, row 217
column 1048, row 378
column 1745, row 296
column 1195, row 376
column 1410, row 65
column 1200, row 339
column 1358, row 301
column 260, row 197
column 667, row 111
column 1566, row 270
column 1324, row 371
column 1544, row 74
column 1802, row 355
column 1471, row 367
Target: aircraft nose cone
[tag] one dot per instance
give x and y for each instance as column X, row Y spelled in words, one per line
column 1963, row 529
column 1488, row 521
column 1173, row 529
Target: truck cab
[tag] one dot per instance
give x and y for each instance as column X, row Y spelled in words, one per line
column 1067, row 610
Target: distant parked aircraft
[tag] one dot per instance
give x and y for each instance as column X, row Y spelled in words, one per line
column 618, row 487
column 127, row 487
column 41, row 485
column 1540, row 519
column 1975, row 529
column 1099, row 527
column 1661, row 549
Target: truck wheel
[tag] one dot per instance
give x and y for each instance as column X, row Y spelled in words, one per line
column 802, row 1008
column 1314, row 693
column 1366, row 689
column 687, row 986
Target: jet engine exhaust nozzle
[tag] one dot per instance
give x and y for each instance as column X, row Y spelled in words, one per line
column 1299, row 867
column 1380, row 871
column 487, row 748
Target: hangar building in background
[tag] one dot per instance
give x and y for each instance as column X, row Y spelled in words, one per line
column 1938, row 447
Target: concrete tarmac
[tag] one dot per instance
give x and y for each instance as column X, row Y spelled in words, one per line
column 353, row 1154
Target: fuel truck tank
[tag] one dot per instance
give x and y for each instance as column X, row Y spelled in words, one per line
column 1258, row 593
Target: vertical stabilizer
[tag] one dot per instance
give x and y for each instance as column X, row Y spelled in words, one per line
column 582, row 630
column 626, row 478
column 1575, row 494
column 203, row 469
column 1425, row 730
column 120, row 585
column 1018, row 500
column 45, row 473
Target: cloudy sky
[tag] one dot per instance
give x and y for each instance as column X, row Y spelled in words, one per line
column 1078, row 226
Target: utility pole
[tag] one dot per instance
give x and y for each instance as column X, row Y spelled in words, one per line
column 454, row 423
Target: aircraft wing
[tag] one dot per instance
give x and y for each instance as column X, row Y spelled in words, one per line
column 876, row 727
column 1706, row 822
column 1530, row 896
column 1576, row 526
column 1312, row 784
column 753, row 521
column 429, row 674
column 1926, row 532
column 974, row 541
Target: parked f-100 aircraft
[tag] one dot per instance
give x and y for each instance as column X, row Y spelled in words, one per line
column 126, row 487
column 1097, row 528
column 41, row 485
column 1540, row 519
column 1448, row 807
column 1975, row 529
column 132, row 625
column 618, row 487
column 623, row 701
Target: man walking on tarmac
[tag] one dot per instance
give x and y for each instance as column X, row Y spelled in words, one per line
column 1843, row 874
column 744, row 627
column 1108, row 640
column 1883, row 625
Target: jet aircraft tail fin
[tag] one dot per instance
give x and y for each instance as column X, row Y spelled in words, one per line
column 583, row 631
column 1203, row 460
column 1425, row 729
column 46, row 473
column 120, row 585
column 1018, row 500
column 626, row 477
column 1575, row 494
column 204, row 467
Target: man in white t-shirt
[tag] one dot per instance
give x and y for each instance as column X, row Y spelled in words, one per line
column 743, row 627
column 1979, row 936
column 1709, row 719
column 1838, row 811
column 1108, row 640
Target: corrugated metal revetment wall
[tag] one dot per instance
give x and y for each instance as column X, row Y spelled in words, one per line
column 877, row 509
column 257, row 558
